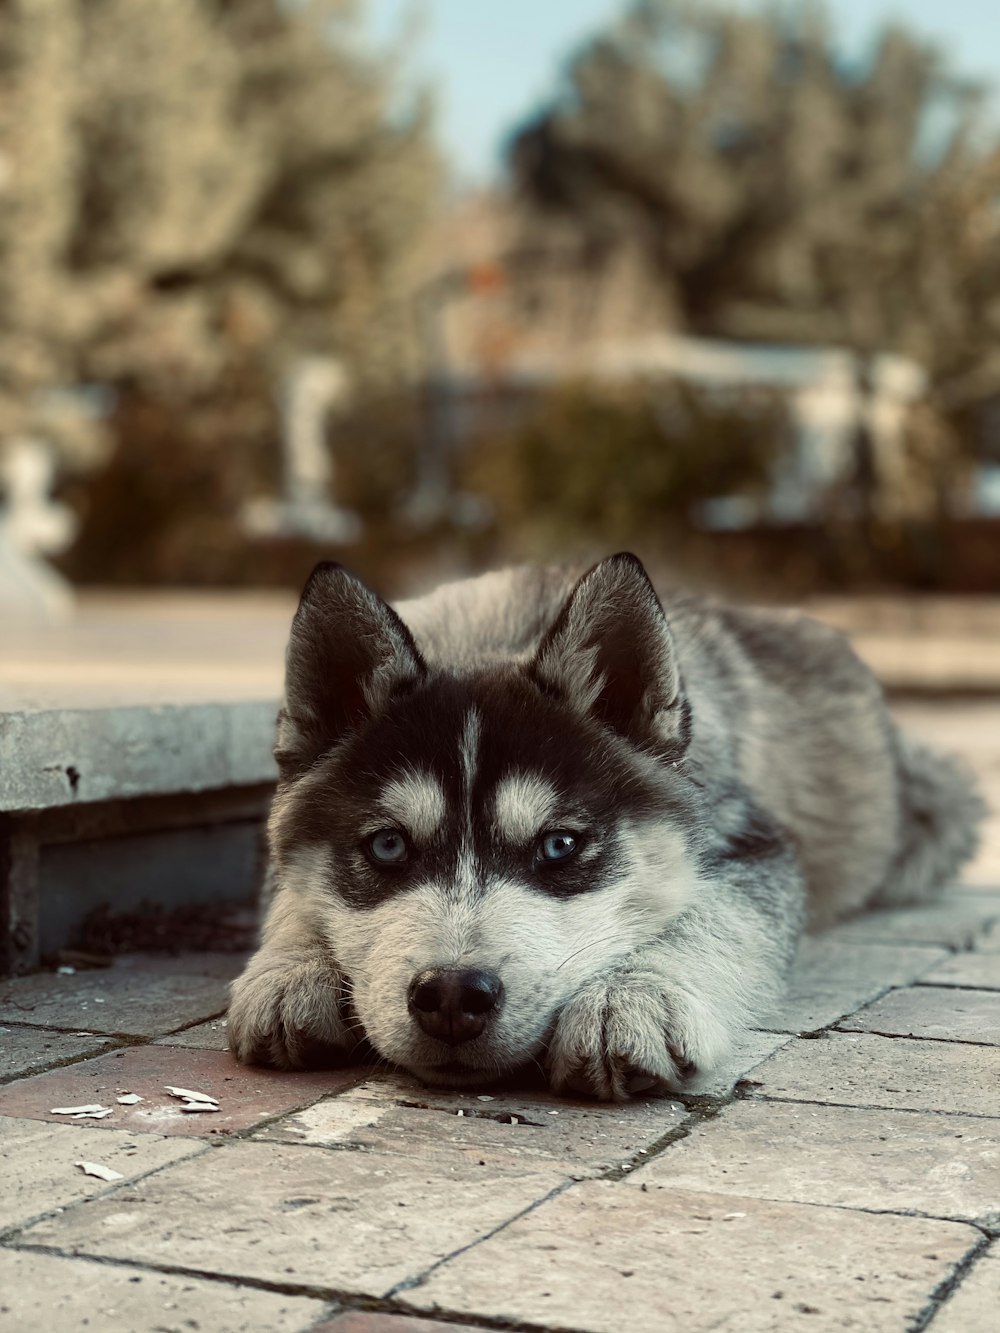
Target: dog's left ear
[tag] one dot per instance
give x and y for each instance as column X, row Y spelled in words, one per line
column 348, row 655
column 610, row 654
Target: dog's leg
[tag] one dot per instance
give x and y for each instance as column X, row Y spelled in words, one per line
column 669, row 1013
column 291, row 1008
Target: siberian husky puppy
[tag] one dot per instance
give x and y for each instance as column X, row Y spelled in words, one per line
column 539, row 818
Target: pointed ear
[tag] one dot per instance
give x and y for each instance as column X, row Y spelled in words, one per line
column 610, row 654
column 348, row 654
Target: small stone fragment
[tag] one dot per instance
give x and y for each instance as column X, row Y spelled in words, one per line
column 187, row 1094
column 129, row 1099
column 100, row 1171
column 91, row 1109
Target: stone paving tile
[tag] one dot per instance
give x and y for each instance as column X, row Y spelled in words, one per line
column 935, row 1012
column 245, row 1095
column 141, row 997
column 393, row 1115
column 39, row 1171
column 946, row 1166
column 347, row 1221
column 860, row 1069
column 980, row 970
column 43, row 1292
column 211, row 1036
column 833, row 977
column 369, row 1321
column 956, row 922
column 973, row 1307
column 750, row 1050
column 607, row 1257
column 23, row 1050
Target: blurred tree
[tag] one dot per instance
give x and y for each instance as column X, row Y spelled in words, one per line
column 191, row 187
column 781, row 192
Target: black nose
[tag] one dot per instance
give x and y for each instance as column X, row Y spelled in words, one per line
column 453, row 1004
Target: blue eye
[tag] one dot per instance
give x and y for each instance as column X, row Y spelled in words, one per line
column 557, row 846
column 387, row 846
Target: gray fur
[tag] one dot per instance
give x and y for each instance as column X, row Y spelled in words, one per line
column 788, row 795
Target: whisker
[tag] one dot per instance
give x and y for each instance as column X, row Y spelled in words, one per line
column 591, row 944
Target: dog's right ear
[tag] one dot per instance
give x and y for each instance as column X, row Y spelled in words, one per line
column 610, row 654
column 348, row 654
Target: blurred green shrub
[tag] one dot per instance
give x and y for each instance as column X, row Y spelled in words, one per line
column 611, row 465
column 165, row 508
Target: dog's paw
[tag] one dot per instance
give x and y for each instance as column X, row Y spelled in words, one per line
column 291, row 1011
column 624, row 1036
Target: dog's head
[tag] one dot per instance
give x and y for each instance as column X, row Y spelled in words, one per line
column 476, row 844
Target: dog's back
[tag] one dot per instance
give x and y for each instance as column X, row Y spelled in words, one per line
column 780, row 705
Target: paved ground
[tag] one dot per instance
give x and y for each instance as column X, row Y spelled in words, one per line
column 844, row 1173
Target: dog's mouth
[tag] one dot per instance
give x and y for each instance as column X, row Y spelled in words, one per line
column 478, row 1064
column 457, row 1074
column 466, row 1074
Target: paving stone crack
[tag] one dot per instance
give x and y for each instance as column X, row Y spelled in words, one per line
column 345, row 1300
column 989, row 1230
column 869, row 1106
column 409, row 1284
column 943, row 1292
column 926, row 983
column 10, row 1234
column 915, row 1036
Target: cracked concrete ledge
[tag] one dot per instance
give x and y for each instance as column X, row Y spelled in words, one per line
column 52, row 758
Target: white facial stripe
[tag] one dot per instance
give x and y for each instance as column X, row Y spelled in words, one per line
column 522, row 806
column 414, row 801
column 468, row 756
column 469, row 750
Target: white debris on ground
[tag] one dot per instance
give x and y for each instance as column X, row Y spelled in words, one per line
column 92, row 1111
column 100, row 1171
column 129, row 1099
column 194, row 1101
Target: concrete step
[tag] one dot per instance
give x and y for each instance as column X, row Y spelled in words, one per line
column 136, row 772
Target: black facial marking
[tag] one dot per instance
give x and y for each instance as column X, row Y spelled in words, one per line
column 521, row 732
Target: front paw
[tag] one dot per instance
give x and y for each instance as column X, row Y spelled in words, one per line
column 290, row 1010
column 623, row 1036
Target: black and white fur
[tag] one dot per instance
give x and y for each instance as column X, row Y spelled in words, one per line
column 723, row 776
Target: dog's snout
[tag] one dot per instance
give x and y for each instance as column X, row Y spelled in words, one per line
column 454, row 1004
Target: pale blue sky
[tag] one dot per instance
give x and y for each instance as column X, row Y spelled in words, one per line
column 493, row 60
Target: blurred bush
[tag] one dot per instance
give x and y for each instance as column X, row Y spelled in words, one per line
column 168, row 506
column 626, row 465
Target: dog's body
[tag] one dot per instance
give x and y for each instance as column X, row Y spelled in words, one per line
column 530, row 818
